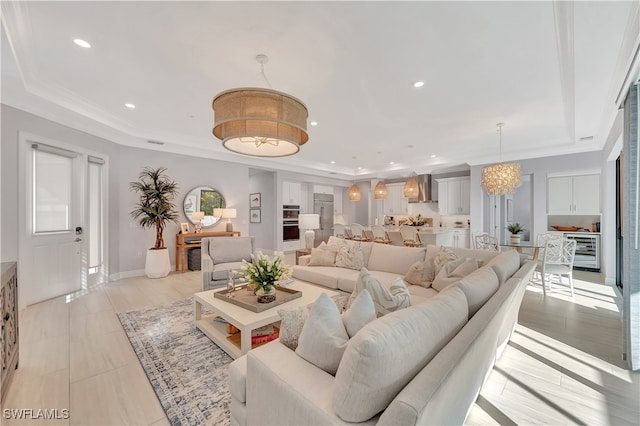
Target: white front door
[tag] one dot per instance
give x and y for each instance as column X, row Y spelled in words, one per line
column 52, row 255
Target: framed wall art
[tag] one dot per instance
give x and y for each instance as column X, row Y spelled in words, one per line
column 254, row 216
column 255, row 200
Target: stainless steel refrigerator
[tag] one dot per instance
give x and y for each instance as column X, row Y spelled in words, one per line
column 323, row 206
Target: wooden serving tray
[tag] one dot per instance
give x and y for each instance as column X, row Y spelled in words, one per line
column 247, row 300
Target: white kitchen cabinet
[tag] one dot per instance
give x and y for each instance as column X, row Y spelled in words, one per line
column 574, row 195
column 454, row 196
column 291, row 193
column 322, row 189
column 396, row 203
column 461, row 238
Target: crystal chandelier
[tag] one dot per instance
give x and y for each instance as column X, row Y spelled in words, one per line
column 260, row 122
column 501, row 179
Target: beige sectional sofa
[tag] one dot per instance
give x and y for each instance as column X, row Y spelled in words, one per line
column 420, row 365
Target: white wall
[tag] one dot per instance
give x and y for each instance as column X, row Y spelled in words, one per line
column 265, row 231
column 127, row 242
column 230, row 179
column 13, row 121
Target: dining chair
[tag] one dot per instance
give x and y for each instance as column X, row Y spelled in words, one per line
column 338, row 230
column 380, row 234
column 410, row 236
column 487, row 242
column 348, row 234
column 356, row 231
column 367, row 235
column 559, row 254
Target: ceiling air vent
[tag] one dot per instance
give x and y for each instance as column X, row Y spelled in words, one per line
column 156, row 142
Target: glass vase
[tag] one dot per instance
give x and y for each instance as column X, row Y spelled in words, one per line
column 266, row 294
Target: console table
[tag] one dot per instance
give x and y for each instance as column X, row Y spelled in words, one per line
column 9, row 334
column 192, row 240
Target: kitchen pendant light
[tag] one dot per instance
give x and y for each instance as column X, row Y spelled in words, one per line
column 501, row 179
column 380, row 191
column 411, row 188
column 354, row 193
column 260, row 122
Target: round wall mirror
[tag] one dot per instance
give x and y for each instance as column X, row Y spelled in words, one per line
column 203, row 199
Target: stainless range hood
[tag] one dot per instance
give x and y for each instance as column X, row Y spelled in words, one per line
column 424, row 190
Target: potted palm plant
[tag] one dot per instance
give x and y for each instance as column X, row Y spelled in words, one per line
column 155, row 208
column 515, row 229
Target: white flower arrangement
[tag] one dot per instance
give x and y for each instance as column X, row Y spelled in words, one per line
column 265, row 271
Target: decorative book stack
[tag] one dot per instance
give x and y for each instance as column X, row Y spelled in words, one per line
column 259, row 336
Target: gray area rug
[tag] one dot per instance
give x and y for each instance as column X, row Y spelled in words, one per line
column 188, row 371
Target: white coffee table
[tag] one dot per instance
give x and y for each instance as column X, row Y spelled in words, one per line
column 244, row 319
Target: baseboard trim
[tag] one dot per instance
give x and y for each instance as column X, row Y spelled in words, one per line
column 127, row 274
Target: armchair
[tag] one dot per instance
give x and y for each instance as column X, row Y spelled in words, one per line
column 220, row 255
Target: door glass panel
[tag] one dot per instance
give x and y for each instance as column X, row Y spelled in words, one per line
column 52, row 192
column 95, row 215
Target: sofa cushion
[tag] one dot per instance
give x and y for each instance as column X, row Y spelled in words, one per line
column 441, row 258
column 454, row 271
column 386, row 298
column 326, row 276
column 238, row 379
column 348, row 282
column 230, row 249
column 292, row 321
column 505, row 265
column 370, row 376
column 394, row 259
column 361, row 312
column 323, row 338
column 422, row 292
column 322, row 257
column 478, row 287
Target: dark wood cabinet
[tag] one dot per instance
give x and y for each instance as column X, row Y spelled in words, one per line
column 9, row 333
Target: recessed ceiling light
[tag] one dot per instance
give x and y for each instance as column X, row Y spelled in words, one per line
column 130, row 106
column 82, row 43
column 333, row 162
column 433, row 156
column 391, row 162
column 314, row 123
column 359, row 168
column 418, row 84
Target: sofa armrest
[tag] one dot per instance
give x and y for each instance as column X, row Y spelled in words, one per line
column 304, row 260
column 283, row 388
column 206, row 264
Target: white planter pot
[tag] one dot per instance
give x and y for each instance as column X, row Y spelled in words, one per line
column 514, row 239
column 158, row 264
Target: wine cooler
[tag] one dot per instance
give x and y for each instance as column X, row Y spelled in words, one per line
column 587, row 250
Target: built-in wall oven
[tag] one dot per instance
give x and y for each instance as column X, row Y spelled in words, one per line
column 290, row 230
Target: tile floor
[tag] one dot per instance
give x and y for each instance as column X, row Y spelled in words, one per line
column 562, row 365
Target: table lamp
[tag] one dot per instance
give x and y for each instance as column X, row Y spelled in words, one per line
column 197, row 217
column 229, row 214
column 309, row 222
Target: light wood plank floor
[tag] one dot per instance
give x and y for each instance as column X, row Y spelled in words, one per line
column 562, row 366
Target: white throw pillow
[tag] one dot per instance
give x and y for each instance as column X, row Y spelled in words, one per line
column 441, row 258
column 452, row 272
column 421, row 273
column 505, row 264
column 321, row 256
column 361, row 312
column 292, row 321
column 323, row 338
column 386, row 300
column 351, row 257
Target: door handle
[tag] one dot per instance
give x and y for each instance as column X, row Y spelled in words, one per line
column 77, row 240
